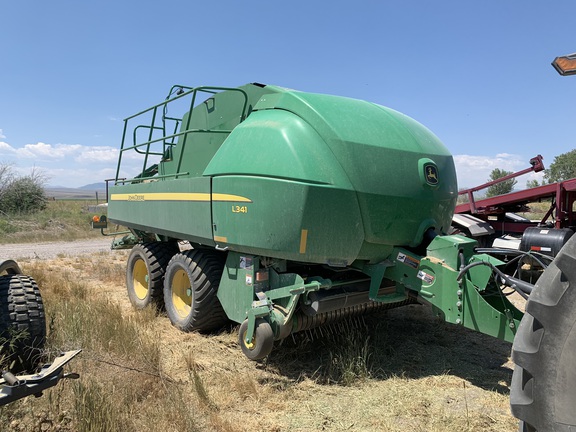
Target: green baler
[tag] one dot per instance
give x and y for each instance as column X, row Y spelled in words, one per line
column 284, row 210
column 303, row 177
column 307, row 208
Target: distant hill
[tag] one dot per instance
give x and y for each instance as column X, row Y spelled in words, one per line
column 85, row 192
column 94, row 186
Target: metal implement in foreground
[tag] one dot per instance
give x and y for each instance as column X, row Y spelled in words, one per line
column 296, row 210
column 22, row 338
column 14, row 387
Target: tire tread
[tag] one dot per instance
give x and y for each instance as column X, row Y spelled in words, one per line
column 538, row 347
column 22, row 309
column 156, row 255
column 205, row 268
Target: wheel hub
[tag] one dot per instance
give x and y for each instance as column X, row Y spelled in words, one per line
column 140, row 279
column 182, row 293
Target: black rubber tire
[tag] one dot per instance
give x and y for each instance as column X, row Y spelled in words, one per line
column 262, row 342
column 191, row 288
column 145, row 271
column 22, row 323
column 543, row 389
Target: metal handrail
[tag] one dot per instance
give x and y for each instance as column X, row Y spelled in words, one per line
column 141, row 179
column 204, row 89
column 136, row 130
column 172, row 136
column 169, row 140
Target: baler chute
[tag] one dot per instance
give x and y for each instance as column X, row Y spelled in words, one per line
column 300, row 209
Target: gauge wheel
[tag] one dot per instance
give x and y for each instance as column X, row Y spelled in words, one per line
column 543, row 389
column 262, row 342
column 191, row 288
column 22, row 323
column 145, row 271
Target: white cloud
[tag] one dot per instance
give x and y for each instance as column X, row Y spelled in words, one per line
column 475, row 170
column 97, row 154
column 48, row 151
column 70, row 165
column 6, row 149
column 2, row 136
column 39, row 150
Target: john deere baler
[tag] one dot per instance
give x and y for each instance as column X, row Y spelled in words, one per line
column 285, row 210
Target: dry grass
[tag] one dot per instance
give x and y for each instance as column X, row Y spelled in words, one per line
column 537, row 210
column 62, row 220
column 397, row 371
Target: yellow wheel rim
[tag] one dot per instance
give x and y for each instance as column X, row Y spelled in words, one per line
column 182, row 293
column 249, row 345
column 140, row 279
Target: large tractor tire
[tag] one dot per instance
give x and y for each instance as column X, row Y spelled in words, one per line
column 190, row 290
column 22, row 323
column 145, row 273
column 543, row 390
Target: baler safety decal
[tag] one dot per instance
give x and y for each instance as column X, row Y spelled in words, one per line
column 427, row 278
column 179, row 196
column 408, row 260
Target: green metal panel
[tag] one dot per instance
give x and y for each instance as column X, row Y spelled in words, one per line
column 210, row 121
column 278, row 144
column 288, row 219
column 447, row 248
column 464, row 304
column 345, row 145
column 194, row 150
column 381, row 152
column 177, row 208
column 474, row 303
column 236, row 288
column 301, row 204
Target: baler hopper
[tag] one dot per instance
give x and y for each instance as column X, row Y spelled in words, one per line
column 299, row 209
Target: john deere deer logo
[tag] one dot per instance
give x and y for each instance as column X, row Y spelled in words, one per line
column 431, row 174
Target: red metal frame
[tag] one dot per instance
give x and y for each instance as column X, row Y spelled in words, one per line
column 563, row 195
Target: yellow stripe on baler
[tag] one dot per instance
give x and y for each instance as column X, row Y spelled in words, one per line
column 179, row 196
column 229, row 198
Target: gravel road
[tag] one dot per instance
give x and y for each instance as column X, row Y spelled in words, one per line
column 51, row 250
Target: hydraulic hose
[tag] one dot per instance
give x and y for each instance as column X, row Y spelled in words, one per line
column 521, row 287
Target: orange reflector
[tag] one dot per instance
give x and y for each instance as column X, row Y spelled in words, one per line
column 95, row 218
column 565, row 65
column 262, row 276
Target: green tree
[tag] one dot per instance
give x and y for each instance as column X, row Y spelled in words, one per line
column 21, row 194
column 563, row 167
column 462, row 199
column 532, row 184
column 500, row 188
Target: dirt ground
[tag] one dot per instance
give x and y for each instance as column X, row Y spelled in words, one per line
column 420, row 374
column 51, row 250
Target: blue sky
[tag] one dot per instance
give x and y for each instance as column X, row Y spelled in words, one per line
column 477, row 73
